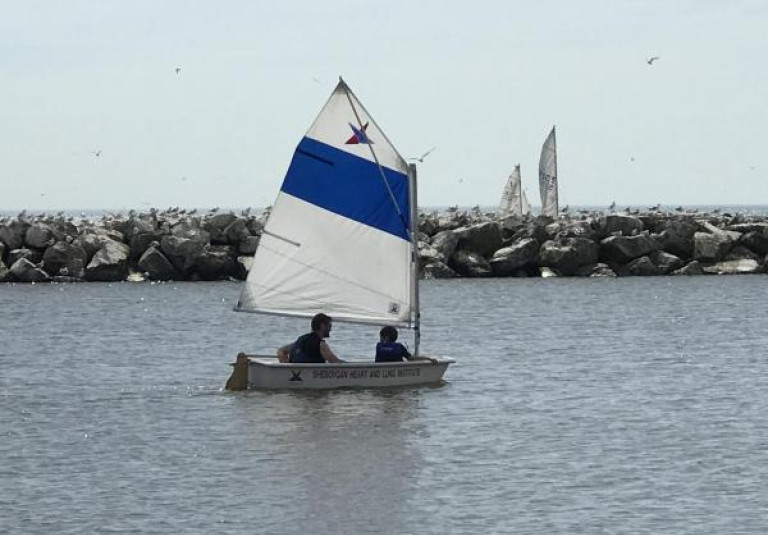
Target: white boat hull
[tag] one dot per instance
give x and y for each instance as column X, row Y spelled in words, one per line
column 268, row 373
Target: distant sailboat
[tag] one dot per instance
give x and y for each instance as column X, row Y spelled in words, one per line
column 525, row 204
column 512, row 199
column 548, row 176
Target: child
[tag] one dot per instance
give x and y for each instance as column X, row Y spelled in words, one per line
column 389, row 349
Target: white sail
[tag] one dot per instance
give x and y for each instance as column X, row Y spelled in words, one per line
column 526, row 207
column 338, row 238
column 548, row 176
column 511, row 198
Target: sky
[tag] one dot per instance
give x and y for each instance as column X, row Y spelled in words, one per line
column 482, row 81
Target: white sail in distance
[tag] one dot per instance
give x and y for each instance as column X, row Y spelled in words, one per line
column 526, row 206
column 338, row 240
column 548, row 176
column 511, row 199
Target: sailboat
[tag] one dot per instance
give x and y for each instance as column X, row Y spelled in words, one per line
column 341, row 239
column 548, row 176
column 511, row 203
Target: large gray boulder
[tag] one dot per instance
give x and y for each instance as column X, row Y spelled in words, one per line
column 110, row 263
column 157, row 266
column 428, row 254
column 12, row 234
column 677, row 238
column 568, row 255
column 215, row 263
column 508, row 260
column 470, row 264
column 5, row 273
column 755, row 241
column 32, row 255
column 733, row 267
column 249, row 245
column 665, row 262
column 66, row 259
column 691, row 268
column 190, row 232
column 602, row 270
column 141, row 241
column 25, row 271
column 710, row 247
column 740, row 253
column 216, row 227
column 623, row 249
column 91, row 242
column 640, row 267
column 484, row 238
column 39, row 236
column 237, row 231
column 627, row 225
column 445, row 243
column 182, row 252
column 3, row 248
column 438, row 270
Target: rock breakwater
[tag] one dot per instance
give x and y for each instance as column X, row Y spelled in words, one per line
column 175, row 245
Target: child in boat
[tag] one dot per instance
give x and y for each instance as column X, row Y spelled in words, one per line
column 389, row 349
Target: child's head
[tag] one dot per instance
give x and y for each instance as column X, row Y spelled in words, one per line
column 388, row 334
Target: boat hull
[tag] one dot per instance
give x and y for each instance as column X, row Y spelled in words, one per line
column 266, row 373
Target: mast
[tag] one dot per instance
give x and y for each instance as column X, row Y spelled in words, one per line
column 414, row 209
column 557, row 186
column 520, row 195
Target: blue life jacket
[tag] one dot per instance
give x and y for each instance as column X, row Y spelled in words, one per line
column 391, row 352
column 306, row 349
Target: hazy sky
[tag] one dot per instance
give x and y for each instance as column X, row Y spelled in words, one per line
column 483, row 81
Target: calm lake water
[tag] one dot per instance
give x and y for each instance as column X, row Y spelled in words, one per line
column 577, row 406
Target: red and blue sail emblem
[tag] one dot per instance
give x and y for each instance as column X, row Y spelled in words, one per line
column 359, row 136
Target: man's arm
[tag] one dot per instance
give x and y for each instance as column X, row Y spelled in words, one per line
column 284, row 353
column 327, row 354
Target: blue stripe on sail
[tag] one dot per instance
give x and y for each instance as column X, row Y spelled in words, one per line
column 349, row 186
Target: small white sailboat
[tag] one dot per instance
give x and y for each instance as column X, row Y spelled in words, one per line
column 526, row 206
column 511, row 203
column 341, row 239
column 548, row 176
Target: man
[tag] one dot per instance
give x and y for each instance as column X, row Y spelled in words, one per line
column 311, row 347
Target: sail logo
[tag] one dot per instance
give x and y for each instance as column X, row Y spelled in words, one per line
column 360, row 137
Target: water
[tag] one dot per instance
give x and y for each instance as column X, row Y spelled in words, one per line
column 577, row 406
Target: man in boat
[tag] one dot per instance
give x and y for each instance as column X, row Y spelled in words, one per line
column 390, row 350
column 311, row 347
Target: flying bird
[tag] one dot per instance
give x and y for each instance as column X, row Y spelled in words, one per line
column 96, row 153
column 316, row 80
column 420, row 159
column 650, row 60
column 178, row 70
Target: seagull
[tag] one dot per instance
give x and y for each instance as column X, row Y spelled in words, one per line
column 96, row 153
column 565, row 210
column 650, row 60
column 679, row 209
column 178, row 70
column 420, row 159
column 632, row 159
column 612, row 207
column 316, row 80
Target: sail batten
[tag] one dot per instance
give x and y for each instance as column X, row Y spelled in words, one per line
column 338, row 239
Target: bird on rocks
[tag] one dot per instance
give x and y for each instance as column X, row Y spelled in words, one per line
column 612, row 207
column 564, row 209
